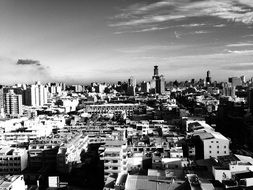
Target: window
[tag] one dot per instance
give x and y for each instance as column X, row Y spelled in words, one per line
column 225, row 152
column 210, row 146
column 225, row 146
column 217, row 141
column 210, row 152
column 211, row 141
column 218, row 147
column 218, row 152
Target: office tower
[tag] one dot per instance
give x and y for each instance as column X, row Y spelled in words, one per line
column 208, row 78
column 100, row 88
column 63, row 86
column 155, row 70
column 1, row 98
column 229, row 91
column 235, row 81
column 243, row 79
column 250, row 99
column 36, row 95
column 132, row 81
column 158, row 82
column 131, row 86
column 12, row 103
column 1, row 102
column 145, row 86
column 160, row 85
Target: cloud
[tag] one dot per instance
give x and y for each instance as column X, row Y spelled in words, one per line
column 28, row 62
column 245, row 52
column 201, row 32
column 164, row 11
column 219, row 25
column 22, row 70
column 239, row 67
column 240, row 45
column 150, row 48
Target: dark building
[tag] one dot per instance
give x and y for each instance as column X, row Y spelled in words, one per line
column 1, row 99
column 208, row 78
column 158, row 82
column 250, row 99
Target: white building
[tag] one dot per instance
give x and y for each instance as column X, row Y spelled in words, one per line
column 105, row 108
column 12, row 182
column 237, row 163
column 212, row 144
column 36, row 95
column 12, row 104
column 114, row 157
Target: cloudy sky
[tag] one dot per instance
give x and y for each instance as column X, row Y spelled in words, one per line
column 110, row 40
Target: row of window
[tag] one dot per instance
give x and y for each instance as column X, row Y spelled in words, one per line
column 10, row 158
column 9, row 169
column 9, row 164
column 217, row 146
column 218, row 152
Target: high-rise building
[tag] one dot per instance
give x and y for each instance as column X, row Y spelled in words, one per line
column 145, row 86
column 250, row 99
column 243, row 79
column 160, row 85
column 12, row 103
column 36, row 95
column 155, row 70
column 1, row 102
column 158, row 82
column 235, row 81
column 208, row 78
column 132, row 81
column 131, row 86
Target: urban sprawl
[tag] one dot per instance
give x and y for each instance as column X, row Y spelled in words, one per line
column 152, row 135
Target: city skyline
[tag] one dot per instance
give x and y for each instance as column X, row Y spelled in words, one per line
column 85, row 41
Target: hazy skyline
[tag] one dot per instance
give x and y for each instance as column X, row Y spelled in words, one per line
column 81, row 40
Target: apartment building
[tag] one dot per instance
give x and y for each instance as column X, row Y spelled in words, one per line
column 69, row 152
column 12, row 182
column 12, row 160
column 114, row 157
column 42, row 153
column 210, row 144
column 117, row 108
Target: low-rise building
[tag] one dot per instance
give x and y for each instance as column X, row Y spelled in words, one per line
column 12, row 182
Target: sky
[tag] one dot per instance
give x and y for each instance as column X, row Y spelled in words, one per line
column 81, row 41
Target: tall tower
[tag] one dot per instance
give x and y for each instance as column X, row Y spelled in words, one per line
column 132, row 81
column 156, row 70
column 208, row 78
column 158, row 82
column 12, row 103
column 131, row 86
column 36, row 95
column 1, row 102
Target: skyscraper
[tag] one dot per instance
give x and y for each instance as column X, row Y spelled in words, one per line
column 208, row 78
column 131, row 86
column 12, row 104
column 36, row 95
column 235, row 81
column 243, row 79
column 158, row 82
column 1, row 102
column 132, row 81
column 155, row 70
column 145, row 86
column 250, row 99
